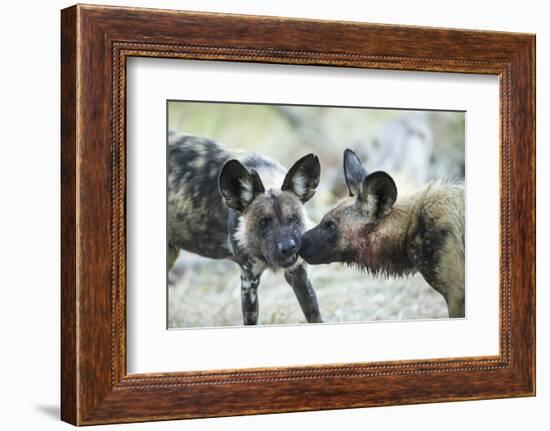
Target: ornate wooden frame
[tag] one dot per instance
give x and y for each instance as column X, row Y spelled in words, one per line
column 95, row 43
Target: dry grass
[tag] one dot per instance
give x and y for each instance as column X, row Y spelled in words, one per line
column 206, row 293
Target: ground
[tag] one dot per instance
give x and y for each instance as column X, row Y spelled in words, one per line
column 206, row 293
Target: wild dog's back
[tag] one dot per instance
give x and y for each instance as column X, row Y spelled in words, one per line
column 197, row 216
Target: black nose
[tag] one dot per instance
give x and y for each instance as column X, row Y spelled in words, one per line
column 287, row 247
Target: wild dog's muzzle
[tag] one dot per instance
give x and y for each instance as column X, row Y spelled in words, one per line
column 287, row 253
column 315, row 249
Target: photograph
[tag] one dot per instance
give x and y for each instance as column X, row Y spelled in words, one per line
column 282, row 214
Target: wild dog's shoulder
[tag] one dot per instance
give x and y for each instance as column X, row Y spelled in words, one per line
column 441, row 209
column 442, row 196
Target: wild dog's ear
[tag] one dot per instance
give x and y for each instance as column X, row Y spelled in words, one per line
column 238, row 185
column 354, row 172
column 303, row 177
column 378, row 194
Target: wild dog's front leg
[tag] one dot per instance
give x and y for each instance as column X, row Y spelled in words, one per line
column 173, row 253
column 249, row 296
column 451, row 290
column 455, row 300
column 297, row 278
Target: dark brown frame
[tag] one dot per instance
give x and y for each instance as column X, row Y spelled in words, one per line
column 95, row 43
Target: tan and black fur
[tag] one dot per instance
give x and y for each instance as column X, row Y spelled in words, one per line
column 371, row 229
column 226, row 204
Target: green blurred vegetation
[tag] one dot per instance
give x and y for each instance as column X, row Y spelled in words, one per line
column 413, row 146
column 286, row 132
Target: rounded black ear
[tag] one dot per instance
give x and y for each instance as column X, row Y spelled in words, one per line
column 238, row 185
column 303, row 177
column 354, row 172
column 378, row 194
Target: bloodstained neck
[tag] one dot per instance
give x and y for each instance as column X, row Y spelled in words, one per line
column 382, row 246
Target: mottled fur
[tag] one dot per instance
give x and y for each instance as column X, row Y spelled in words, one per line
column 423, row 232
column 226, row 204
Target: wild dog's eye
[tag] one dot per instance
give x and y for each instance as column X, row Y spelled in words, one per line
column 293, row 218
column 330, row 225
column 264, row 222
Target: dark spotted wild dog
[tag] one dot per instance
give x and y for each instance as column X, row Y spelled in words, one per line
column 423, row 232
column 225, row 204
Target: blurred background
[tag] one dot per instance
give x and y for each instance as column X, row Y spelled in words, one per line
column 412, row 146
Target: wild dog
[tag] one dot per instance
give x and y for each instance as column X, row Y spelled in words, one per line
column 423, row 232
column 248, row 208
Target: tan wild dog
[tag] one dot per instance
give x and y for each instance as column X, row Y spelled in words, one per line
column 371, row 229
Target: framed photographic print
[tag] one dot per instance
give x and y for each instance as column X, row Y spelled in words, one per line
column 322, row 214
